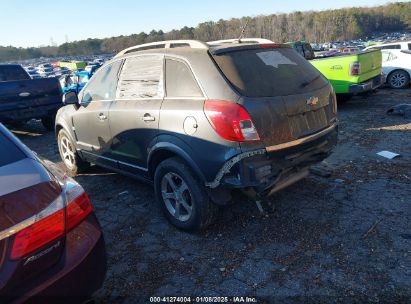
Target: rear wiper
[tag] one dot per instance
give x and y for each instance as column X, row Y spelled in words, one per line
column 304, row 84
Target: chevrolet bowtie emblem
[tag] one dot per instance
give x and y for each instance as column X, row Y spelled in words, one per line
column 312, row 101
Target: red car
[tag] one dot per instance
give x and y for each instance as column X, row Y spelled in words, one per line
column 51, row 243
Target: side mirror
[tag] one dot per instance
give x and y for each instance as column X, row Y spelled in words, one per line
column 70, row 98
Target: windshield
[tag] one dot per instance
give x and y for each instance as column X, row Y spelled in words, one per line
column 269, row 72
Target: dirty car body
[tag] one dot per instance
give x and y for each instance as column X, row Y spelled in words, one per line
column 51, row 244
column 240, row 116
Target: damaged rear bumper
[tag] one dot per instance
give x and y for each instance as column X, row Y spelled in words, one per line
column 263, row 172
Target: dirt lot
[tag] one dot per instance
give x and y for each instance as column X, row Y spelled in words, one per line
column 337, row 238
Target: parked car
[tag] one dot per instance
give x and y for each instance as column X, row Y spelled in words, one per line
column 46, row 72
column 73, row 65
column 200, row 121
column 399, row 45
column 74, row 82
column 51, row 243
column 23, row 98
column 34, row 74
column 303, row 48
column 396, row 65
column 348, row 50
column 350, row 73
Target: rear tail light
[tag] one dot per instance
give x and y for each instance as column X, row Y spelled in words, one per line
column 230, row 120
column 355, row 68
column 77, row 210
column 65, row 213
column 40, row 233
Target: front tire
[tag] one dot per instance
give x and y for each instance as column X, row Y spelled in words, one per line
column 182, row 197
column 398, row 79
column 72, row 161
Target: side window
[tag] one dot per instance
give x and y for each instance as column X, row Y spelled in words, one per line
column 141, row 77
column 409, row 46
column 103, row 84
column 391, row 47
column 180, row 81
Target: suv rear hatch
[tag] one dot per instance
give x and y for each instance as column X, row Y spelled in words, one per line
column 286, row 97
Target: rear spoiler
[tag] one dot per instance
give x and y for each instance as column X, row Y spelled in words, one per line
column 245, row 46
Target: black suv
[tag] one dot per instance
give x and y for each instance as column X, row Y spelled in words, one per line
column 199, row 120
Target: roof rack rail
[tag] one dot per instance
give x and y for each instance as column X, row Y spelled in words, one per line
column 242, row 40
column 195, row 44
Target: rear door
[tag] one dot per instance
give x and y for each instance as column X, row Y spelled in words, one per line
column 134, row 116
column 286, row 97
column 91, row 121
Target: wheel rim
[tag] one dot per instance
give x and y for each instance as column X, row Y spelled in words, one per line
column 398, row 80
column 177, row 196
column 67, row 152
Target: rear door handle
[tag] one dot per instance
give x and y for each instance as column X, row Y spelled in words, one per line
column 24, row 94
column 101, row 116
column 148, row 117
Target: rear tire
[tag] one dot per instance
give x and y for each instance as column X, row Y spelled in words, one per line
column 398, row 79
column 72, row 161
column 48, row 122
column 182, row 197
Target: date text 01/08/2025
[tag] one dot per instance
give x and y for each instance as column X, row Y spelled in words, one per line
column 203, row 300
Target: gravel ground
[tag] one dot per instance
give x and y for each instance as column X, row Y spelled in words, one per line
column 343, row 238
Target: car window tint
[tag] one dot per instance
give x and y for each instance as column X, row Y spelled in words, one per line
column 9, row 152
column 103, row 84
column 391, row 47
column 179, row 45
column 269, row 72
column 141, row 77
column 12, row 73
column 180, row 81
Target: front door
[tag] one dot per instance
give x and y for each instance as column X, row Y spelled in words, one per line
column 91, row 121
column 134, row 116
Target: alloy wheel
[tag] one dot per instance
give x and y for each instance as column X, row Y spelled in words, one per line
column 67, row 152
column 177, row 196
column 398, row 80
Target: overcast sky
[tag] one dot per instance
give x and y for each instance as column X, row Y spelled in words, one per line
column 33, row 23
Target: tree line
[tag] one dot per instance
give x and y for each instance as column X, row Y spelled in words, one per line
column 323, row 26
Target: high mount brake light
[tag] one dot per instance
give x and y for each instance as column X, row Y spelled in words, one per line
column 68, row 210
column 230, row 120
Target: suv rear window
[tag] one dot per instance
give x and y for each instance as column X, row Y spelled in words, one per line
column 12, row 72
column 269, row 72
column 9, row 152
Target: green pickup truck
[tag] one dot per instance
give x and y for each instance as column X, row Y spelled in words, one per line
column 352, row 73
